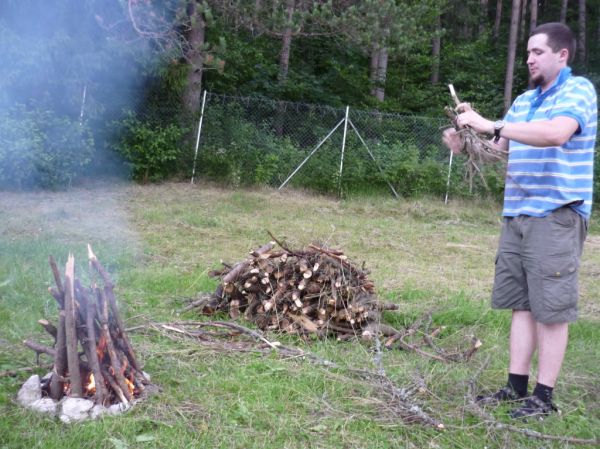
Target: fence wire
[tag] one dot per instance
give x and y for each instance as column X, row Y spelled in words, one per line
column 260, row 141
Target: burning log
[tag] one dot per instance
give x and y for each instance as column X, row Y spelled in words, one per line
column 315, row 291
column 106, row 371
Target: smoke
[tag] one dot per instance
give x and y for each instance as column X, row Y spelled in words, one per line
column 69, row 69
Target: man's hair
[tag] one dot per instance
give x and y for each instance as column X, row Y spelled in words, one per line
column 559, row 36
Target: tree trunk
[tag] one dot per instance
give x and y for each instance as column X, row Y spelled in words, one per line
column 522, row 20
column 195, row 57
column 436, row 46
column 581, row 45
column 483, row 15
column 534, row 15
column 498, row 19
column 563, row 11
column 512, row 50
column 286, row 44
column 284, row 64
column 382, row 66
column 373, row 69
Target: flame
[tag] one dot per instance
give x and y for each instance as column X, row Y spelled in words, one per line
column 90, row 387
column 130, row 385
column 101, row 347
column 128, row 380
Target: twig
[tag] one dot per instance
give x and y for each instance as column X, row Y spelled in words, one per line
column 399, row 397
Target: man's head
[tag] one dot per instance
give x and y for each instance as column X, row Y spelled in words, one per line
column 551, row 47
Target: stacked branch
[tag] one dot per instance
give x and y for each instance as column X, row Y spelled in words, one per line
column 92, row 354
column 315, row 290
column 477, row 147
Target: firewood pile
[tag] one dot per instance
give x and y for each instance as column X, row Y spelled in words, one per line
column 315, row 290
column 93, row 357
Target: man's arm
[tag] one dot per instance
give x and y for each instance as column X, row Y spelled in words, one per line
column 545, row 133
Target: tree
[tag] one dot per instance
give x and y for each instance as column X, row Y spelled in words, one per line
column 436, row 47
column 563, row 11
column 512, row 50
column 483, row 15
column 283, row 20
column 533, row 9
column 388, row 28
column 194, row 53
column 177, row 30
column 497, row 19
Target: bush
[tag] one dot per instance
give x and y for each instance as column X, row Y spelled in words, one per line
column 41, row 149
column 151, row 150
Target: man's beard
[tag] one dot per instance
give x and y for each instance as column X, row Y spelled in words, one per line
column 536, row 81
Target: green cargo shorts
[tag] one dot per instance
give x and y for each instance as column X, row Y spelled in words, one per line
column 537, row 265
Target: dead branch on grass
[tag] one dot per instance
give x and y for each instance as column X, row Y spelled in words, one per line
column 398, row 400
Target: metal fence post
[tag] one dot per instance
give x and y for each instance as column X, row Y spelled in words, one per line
column 448, row 182
column 343, row 148
column 198, row 136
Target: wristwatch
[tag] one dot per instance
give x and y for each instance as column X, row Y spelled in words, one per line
column 498, row 125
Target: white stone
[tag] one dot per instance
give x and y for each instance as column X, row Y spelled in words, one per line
column 97, row 411
column 75, row 409
column 44, row 405
column 117, row 409
column 30, row 392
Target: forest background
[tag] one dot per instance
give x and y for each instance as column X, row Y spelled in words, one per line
column 97, row 87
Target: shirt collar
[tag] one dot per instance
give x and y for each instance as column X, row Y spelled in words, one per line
column 563, row 75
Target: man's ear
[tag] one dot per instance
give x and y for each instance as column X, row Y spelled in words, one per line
column 564, row 55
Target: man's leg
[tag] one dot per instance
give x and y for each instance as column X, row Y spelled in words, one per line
column 552, row 345
column 553, row 340
column 523, row 342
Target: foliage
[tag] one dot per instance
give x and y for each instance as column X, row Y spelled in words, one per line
column 150, row 149
column 40, row 149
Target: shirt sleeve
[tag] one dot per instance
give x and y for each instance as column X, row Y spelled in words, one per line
column 577, row 101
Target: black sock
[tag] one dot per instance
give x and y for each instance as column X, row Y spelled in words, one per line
column 544, row 392
column 518, row 382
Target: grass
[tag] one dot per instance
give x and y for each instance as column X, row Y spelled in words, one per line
column 159, row 242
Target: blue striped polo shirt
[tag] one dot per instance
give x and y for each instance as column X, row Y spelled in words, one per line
column 542, row 179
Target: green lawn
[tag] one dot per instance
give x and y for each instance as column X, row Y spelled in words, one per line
column 159, row 242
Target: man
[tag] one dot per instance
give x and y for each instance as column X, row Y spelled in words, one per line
column 550, row 133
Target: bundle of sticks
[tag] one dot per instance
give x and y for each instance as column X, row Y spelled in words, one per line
column 106, row 370
column 477, row 147
column 315, row 290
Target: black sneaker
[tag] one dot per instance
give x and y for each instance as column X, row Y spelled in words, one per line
column 534, row 407
column 504, row 394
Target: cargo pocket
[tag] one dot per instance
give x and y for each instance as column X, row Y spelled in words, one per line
column 559, row 282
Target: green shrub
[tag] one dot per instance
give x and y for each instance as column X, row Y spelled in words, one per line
column 151, row 150
column 41, row 149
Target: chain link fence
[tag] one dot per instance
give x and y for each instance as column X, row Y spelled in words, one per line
column 248, row 140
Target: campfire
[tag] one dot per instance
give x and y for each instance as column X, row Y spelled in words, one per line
column 93, row 357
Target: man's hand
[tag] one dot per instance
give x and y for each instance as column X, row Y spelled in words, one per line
column 452, row 140
column 468, row 117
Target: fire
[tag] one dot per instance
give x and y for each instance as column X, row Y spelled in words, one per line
column 101, row 347
column 130, row 385
column 90, row 387
column 128, row 381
